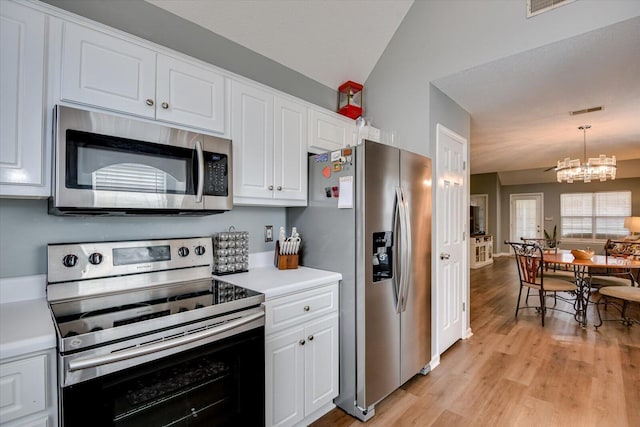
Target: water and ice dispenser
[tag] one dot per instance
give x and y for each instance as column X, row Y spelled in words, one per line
column 382, row 255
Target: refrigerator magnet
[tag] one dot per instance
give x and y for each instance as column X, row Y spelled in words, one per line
column 335, row 155
column 319, row 158
column 337, row 166
column 326, row 172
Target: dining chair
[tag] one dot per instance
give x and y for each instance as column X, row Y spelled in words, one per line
column 601, row 277
column 550, row 269
column 532, row 275
column 619, row 297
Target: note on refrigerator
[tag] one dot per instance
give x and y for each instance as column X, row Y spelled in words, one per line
column 345, row 200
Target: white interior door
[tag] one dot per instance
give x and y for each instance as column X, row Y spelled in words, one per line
column 526, row 216
column 451, row 244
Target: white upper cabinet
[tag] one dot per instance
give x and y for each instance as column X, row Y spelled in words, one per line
column 329, row 132
column 106, row 71
column 252, row 134
column 24, row 163
column 190, row 95
column 269, row 148
column 290, row 151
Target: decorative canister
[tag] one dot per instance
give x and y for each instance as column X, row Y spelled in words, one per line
column 231, row 250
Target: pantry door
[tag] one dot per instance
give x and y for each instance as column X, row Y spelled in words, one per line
column 451, row 285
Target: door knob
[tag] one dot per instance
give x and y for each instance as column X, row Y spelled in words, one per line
column 271, row 187
column 445, row 256
column 165, row 105
column 301, row 342
column 149, row 102
column 310, row 337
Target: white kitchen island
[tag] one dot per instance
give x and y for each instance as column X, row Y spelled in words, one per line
column 301, row 344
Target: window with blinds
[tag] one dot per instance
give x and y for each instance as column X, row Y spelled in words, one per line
column 594, row 215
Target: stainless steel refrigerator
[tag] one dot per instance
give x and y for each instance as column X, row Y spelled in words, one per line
column 369, row 218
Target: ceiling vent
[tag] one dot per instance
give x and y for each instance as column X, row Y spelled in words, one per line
column 535, row 7
column 586, row 110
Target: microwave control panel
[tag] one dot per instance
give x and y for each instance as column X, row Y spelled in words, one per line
column 216, row 175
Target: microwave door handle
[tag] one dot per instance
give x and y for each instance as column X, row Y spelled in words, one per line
column 200, row 188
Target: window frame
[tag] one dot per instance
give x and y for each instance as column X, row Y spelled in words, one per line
column 594, row 217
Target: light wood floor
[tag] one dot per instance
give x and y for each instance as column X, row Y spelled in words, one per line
column 516, row 373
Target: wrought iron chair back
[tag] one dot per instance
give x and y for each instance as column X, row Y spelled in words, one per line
column 531, row 272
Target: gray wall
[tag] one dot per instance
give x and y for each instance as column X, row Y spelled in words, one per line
column 489, row 184
column 159, row 26
column 439, row 38
column 552, row 201
column 26, row 228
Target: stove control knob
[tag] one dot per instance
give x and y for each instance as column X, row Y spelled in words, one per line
column 95, row 258
column 200, row 250
column 183, row 252
column 70, row 260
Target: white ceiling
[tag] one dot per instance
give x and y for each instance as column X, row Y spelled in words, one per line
column 519, row 105
column 330, row 41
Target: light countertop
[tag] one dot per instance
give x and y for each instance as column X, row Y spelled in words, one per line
column 25, row 327
column 275, row 283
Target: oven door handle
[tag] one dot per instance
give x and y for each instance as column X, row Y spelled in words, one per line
column 92, row 362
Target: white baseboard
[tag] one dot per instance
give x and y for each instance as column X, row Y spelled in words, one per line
column 498, row 255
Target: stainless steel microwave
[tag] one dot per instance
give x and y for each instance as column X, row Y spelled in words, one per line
column 110, row 165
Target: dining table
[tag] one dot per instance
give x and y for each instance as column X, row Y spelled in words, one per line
column 581, row 268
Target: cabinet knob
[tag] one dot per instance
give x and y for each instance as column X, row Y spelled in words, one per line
column 301, row 342
column 165, row 105
column 271, row 187
column 310, row 337
column 149, row 102
column 306, row 308
column 279, row 188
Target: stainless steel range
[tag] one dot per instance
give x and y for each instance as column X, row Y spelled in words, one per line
column 145, row 337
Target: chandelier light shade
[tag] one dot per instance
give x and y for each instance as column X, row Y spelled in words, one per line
column 596, row 168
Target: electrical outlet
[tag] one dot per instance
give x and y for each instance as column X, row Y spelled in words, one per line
column 268, row 233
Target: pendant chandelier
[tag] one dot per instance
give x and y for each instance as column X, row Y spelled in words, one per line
column 599, row 168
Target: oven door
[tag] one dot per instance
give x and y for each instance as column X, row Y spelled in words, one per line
column 116, row 164
column 215, row 384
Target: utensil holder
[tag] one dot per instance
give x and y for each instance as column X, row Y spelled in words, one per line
column 284, row 262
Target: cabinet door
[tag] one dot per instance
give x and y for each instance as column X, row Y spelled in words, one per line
column 290, row 151
column 321, row 363
column 284, row 377
column 329, row 133
column 23, row 165
column 23, row 387
column 189, row 95
column 108, row 72
column 252, row 135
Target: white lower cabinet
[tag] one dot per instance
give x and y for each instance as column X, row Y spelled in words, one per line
column 28, row 388
column 301, row 361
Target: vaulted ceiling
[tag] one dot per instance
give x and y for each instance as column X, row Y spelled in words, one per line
column 519, row 105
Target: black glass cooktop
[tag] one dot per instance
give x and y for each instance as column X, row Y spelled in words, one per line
column 142, row 308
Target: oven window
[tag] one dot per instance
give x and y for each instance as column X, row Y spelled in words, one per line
column 218, row 384
column 98, row 162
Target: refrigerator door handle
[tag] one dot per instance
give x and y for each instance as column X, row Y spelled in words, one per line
column 407, row 254
column 403, row 239
column 397, row 278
